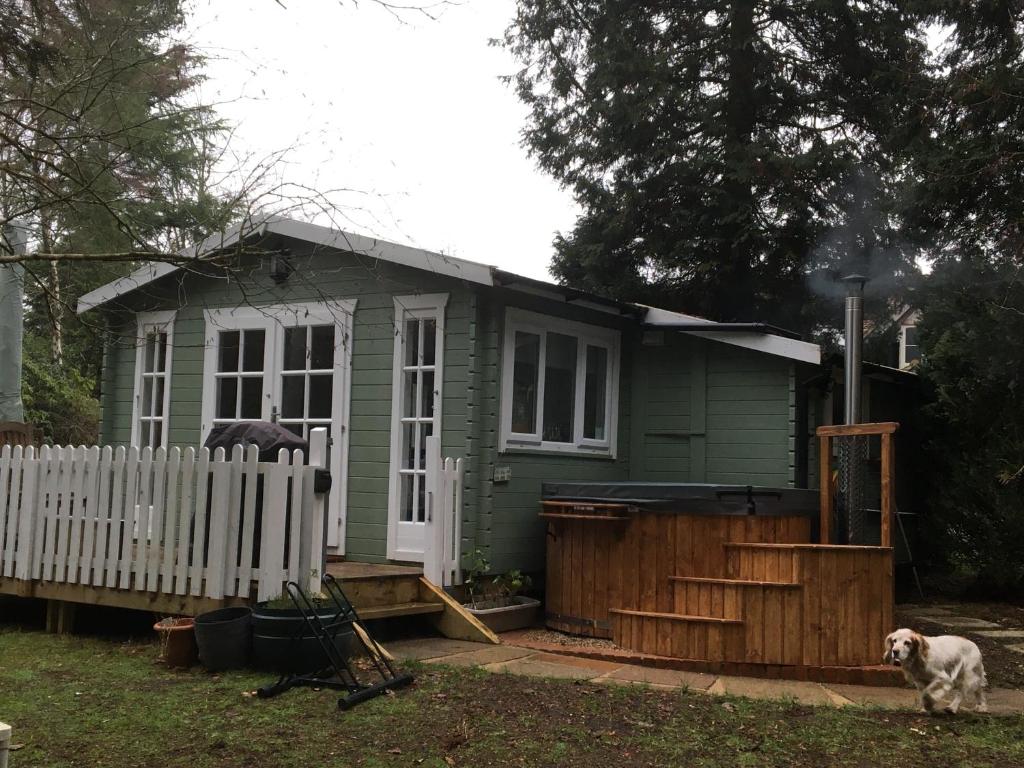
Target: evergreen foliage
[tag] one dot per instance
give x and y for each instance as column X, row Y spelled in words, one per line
column 724, row 153
column 106, row 150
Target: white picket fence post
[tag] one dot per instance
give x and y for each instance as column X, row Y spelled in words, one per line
column 442, row 546
column 315, row 531
column 163, row 521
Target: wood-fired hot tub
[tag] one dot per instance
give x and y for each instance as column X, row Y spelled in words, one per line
column 709, row 572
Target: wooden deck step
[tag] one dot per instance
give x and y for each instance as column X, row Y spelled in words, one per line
column 679, row 635
column 369, row 585
column 675, row 616
column 734, row 582
column 399, row 609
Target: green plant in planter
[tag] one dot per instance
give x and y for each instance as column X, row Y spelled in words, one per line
column 499, row 590
column 511, row 584
column 474, row 575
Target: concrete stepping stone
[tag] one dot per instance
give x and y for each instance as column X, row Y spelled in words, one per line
column 423, row 648
column 966, row 622
column 662, row 678
column 550, row 665
column 756, row 688
column 1017, row 647
column 928, row 612
column 887, row 698
column 1008, row 634
column 489, row 654
column 1005, row 701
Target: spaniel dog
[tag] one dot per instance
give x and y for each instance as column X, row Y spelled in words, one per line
column 939, row 666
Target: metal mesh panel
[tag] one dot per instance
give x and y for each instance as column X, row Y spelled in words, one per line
column 851, row 467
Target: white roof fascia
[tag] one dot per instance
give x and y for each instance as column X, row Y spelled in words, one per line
column 659, row 316
column 313, row 233
column 769, row 343
column 154, row 270
column 384, row 250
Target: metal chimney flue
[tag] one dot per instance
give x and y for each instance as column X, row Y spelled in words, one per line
column 854, row 346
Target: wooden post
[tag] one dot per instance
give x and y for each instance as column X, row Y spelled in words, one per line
column 318, row 517
column 888, row 489
column 433, row 536
column 60, row 617
column 5, row 743
column 825, row 488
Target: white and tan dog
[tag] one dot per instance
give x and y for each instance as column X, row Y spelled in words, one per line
column 939, row 666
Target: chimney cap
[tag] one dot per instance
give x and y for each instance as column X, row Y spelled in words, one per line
column 854, row 278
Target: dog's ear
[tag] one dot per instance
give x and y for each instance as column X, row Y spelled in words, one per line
column 920, row 644
column 887, row 658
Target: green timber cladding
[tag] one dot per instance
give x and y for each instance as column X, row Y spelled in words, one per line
column 689, row 409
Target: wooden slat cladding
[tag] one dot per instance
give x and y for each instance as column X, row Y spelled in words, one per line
column 743, row 589
column 594, row 565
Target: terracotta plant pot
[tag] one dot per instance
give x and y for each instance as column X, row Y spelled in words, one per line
column 178, row 641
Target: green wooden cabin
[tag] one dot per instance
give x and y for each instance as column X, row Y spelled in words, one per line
column 385, row 344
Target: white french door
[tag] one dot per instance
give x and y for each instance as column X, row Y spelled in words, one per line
column 290, row 364
column 415, row 415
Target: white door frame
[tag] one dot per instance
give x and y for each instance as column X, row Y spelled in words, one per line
column 406, row 539
column 274, row 319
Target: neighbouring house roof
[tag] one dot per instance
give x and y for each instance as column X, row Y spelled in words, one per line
column 756, row 336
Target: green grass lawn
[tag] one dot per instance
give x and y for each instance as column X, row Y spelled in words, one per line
column 81, row 701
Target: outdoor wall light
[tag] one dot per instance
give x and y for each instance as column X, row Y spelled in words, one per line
column 281, row 267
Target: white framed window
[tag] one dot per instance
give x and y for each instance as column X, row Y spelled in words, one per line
column 559, row 386
column 910, row 352
column 417, row 374
column 152, row 397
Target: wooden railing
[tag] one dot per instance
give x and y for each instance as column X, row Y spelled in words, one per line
column 888, row 504
column 173, row 522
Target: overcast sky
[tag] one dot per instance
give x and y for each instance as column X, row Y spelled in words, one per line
column 409, row 113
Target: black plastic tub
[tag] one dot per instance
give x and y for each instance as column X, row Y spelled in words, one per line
column 281, row 641
column 224, row 637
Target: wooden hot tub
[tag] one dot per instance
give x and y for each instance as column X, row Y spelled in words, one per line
column 711, row 573
column 600, row 552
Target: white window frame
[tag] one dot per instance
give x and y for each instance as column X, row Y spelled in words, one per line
column 145, row 323
column 585, row 334
column 273, row 320
column 415, row 307
column 904, row 364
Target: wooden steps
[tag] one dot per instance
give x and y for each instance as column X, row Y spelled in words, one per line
column 393, row 591
column 399, row 609
column 781, row 604
column 675, row 616
column 734, row 582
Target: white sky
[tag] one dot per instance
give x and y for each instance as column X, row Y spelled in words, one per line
column 410, row 112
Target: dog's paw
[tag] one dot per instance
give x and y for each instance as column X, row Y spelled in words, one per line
column 981, row 709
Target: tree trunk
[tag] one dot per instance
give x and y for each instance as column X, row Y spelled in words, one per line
column 740, row 114
column 56, row 314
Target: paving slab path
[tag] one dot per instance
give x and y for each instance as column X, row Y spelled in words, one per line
column 961, row 623
column 511, row 659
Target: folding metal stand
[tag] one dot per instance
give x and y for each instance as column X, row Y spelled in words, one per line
column 339, row 673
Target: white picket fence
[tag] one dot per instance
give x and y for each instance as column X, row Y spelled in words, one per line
column 184, row 523
column 443, row 536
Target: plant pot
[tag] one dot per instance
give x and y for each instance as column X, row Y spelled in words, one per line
column 178, row 642
column 282, row 643
column 224, row 638
column 501, row 616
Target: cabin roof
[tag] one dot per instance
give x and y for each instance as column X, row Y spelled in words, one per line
column 756, row 336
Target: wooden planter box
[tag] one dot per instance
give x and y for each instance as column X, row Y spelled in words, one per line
column 520, row 614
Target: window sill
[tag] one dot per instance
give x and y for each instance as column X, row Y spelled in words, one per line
column 571, row 451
